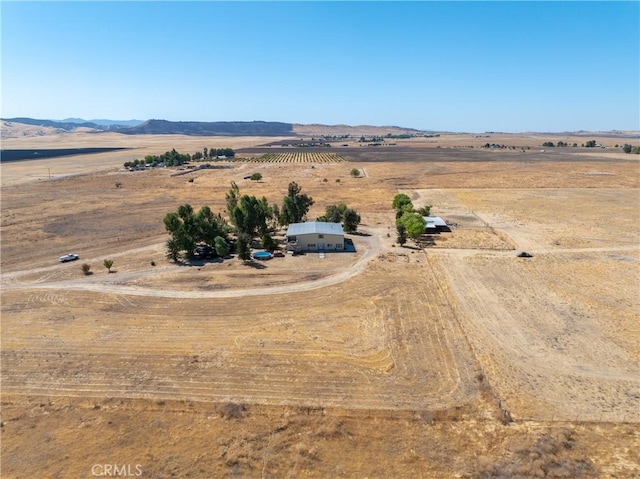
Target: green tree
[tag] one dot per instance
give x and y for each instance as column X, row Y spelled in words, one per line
column 355, row 172
column 414, row 224
column 268, row 242
column 333, row 213
column 209, row 225
column 221, row 246
column 425, row 210
column 400, row 201
column 173, row 249
column 243, row 247
column 402, row 234
column 256, row 177
column 351, row 220
column 295, row 205
column 108, row 263
column 627, row 148
column 251, row 216
column 187, row 229
column 232, row 197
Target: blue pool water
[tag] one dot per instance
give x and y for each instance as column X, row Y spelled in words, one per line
column 262, row 255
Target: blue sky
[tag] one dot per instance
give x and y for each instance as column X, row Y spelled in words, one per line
column 452, row 66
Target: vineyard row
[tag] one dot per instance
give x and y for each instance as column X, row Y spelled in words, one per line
column 299, row 157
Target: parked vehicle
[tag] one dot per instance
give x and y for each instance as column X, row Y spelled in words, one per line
column 68, row 257
column 205, row 251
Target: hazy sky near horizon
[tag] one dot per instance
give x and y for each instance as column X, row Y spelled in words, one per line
column 449, row 66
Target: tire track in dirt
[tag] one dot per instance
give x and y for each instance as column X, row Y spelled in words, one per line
column 517, row 351
column 341, row 370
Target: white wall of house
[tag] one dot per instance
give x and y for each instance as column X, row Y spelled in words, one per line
column 316, row 236
column 319, row 242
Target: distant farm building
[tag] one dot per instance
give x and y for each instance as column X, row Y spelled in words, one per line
column 435, row 224
column 315, row 236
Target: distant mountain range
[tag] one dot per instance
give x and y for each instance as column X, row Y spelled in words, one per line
column 216, row 128
column 71, row 124
column 103, row 122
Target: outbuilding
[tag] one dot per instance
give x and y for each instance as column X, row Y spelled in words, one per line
column 315, row 236
column 435, row 224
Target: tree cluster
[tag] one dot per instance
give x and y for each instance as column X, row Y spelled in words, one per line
column 373, row 139
column 188, row 229
column 340, row 213
column 295, row 205
column 409, row 221
column 402, row 204
column 216, row 152
column 174, row 158
column 631, row 149
column 560, row 144
column 250, row 218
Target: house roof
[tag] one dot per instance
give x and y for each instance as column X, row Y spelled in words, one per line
column 315, row 227
column 434, row 221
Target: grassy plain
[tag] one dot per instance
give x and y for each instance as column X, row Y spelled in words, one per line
column 459, row 360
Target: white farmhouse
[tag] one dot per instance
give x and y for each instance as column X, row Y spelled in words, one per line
column 315, row 236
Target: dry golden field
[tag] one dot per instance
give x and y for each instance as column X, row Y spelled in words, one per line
column 456, row 360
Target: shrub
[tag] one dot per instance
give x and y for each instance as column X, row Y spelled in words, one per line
column 268, row 243
column 86, row 269
column 108, row 263
column 231, row 410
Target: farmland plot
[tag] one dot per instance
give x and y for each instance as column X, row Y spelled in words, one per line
column 299, row 157
column 371, row 348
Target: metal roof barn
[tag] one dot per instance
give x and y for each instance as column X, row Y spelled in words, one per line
column 314, row 227
column 434, row 222
column 315, row 236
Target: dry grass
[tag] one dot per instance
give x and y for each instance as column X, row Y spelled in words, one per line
column 387, row 362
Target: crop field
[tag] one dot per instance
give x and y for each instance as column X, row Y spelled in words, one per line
column 299, row 157
column 458, row 359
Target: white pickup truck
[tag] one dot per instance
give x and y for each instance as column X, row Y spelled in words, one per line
column 68, row 257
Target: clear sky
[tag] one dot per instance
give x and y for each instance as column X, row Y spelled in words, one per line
column 452, row 66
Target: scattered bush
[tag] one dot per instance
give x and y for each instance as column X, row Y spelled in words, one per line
column 232, row 410
column 86, row 269
column 108, row 263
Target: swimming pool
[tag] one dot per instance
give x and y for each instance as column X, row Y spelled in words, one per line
column 263, row 255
